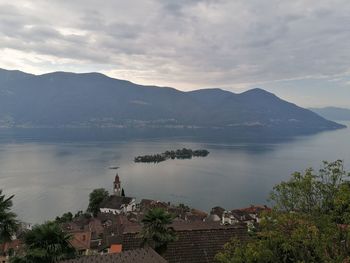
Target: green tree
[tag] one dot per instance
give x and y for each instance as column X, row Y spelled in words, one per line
column 95, row 199
column 309, row 192
column 156, row 231
column 8, row 222
column 291, row 237
column 309, row 222
column 66, row 217
column 341, row 211
column 46, row 243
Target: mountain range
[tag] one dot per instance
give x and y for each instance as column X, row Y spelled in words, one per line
column 71, row 100
column 333, row 113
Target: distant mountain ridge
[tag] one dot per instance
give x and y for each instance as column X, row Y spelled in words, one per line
column 71, row 100
column 333, row 113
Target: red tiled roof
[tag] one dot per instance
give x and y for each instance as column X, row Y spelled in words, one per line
column 81, row 240
column 115, row 248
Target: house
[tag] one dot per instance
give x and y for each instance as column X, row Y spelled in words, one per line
column 212, row 218
column 81, row 240
column 118, row 205
column 242, row 216
column 100, row 234
column 83, row 231
column 249, row 215
column 200, row 245
column 195, row 215
column 255, row 211
column 94, row 235
column 229, row 218
column 144, row 255
column 217, row 210
column 197, row 242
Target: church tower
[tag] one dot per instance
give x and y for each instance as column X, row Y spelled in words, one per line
column 117, row 190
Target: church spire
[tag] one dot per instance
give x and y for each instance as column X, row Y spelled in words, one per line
column 117, row 190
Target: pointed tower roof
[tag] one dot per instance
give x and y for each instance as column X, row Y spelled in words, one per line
column 117, row 180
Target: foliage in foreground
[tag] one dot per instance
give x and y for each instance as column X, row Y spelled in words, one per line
column 8, row 222
column 291, row 237
column 310, row 222
column 46, row 243
column 156, row 231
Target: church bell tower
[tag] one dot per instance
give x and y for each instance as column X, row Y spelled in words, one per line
column 117, row 190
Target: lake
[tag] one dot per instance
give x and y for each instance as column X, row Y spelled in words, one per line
column 50, row 177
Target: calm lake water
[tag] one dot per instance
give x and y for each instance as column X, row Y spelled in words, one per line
column 49, row 178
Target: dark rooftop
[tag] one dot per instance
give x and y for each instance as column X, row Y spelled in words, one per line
column 144, row 255
column 178, row 226
column 116, row 202
column 195, row 244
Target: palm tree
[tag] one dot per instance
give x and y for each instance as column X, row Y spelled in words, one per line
column 47, row 243
column 156, row 231
column 8, row 222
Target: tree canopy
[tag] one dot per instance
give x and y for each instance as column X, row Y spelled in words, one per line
column 46, row 243
column 95, row 199
column 156, row 231
column 309, row 223
column 311, row 192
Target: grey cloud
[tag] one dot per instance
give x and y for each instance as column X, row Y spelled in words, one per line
column 176, row 8
column 199, row 42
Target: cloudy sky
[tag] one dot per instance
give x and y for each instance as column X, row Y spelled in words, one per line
column 299, row 50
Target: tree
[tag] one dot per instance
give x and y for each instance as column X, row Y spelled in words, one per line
column 156, row 231
column 66, row 217
column 46, row 243
column 123, row 192
column 309, row 222
column 291, row 237
column 341, row 211
column 8, row 222
column 310, row 192
column 95, row 199
column 184, row 207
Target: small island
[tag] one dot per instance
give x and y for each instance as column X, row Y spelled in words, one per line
column 178, row 154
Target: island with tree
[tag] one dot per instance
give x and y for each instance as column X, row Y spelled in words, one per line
column 178, row 154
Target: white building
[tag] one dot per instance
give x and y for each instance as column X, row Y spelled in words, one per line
column 117, row 203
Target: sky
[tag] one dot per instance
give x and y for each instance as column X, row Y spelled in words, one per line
column 299, row 50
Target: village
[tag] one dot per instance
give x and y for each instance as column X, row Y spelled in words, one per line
column 115, row 230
